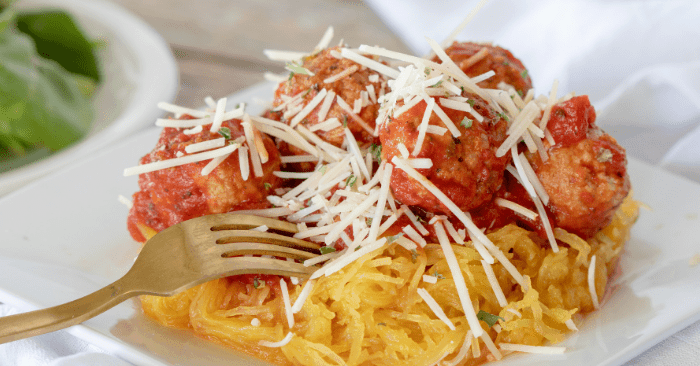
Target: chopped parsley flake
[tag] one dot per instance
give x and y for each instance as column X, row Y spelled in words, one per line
column 326, row 250
column 488, row 318
column 368, row 221
column 502, row 115
column 295, row 68
column 466, row 123
column 427, row 71
column 471, row 102
column 225, row 132
column 258, row 284
column 376, row 151
column 291, row 75
column 345, row 121
column 350, row 181
column 524, row 74
column 391, row 239
column 267, row 185
column 506, row 63
column 437, row 84
column 438, row 275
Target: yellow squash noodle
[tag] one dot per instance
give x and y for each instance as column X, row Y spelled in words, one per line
column 369, row 313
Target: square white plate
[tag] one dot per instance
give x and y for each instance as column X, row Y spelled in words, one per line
column 65, row 236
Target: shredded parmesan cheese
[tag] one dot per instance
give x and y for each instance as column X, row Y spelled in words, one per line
column 279, row 344
column 164, row 164
column 458, row 278
column 435, row 308
column 591, row 283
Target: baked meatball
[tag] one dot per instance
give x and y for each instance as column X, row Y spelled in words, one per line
column 350, row 88
column 169, row 196
column 465, row 168
column 475, row 59
column 585, row 174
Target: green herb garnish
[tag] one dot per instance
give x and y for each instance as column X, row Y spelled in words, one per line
column 466, row 123
column 345, row 121
column 296, row 68
column 391, row 239
column 225, row 132
column 350, row 181
column 471, row 102
column 488, row 318
column 524, row 74
column 267, row 185
column 437, row 84
column 376, row 151
column 503, row 115
column 326, row 250
column 258, row 284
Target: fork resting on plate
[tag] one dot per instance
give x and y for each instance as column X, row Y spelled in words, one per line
column 179, row 257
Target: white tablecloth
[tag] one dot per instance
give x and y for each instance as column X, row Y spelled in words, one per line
column 639, row 61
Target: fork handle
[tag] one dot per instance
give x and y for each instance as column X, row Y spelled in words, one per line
column 33, row 323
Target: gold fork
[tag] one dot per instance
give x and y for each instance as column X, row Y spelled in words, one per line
column 179, row 257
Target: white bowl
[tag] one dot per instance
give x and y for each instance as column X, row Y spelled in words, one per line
column 138, row 71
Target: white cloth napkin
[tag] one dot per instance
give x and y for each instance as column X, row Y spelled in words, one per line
column 53, row 349
column 639, row 61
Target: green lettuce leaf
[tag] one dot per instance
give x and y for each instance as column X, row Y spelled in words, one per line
column 41, row 104
column 57, row 37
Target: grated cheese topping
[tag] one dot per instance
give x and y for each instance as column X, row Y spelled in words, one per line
column 591, row 283
column 435, row 307
column 279, row 344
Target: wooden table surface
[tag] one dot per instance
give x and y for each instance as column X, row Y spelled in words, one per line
column 218, row 44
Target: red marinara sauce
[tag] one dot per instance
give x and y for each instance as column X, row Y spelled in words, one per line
column 569, row 121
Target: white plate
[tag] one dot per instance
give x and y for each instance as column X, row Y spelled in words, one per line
column 138, row 71
column 65, row 236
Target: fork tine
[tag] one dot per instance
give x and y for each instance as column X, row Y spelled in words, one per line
column 231, row 266
column 238, row 249
column 233, row 221
column 238, row 236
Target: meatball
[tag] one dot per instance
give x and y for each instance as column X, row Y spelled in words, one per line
column 465, row 168
column 475, row 59
column 350, row 88
column 172, row 195
column 585, row 174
